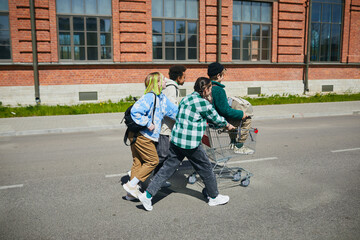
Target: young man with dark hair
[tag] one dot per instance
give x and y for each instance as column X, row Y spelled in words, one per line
column 177, row 78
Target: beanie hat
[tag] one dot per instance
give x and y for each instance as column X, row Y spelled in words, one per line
column 214, row 69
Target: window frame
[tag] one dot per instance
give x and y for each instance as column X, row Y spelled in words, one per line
column 241, row 23
column 318, row 56
column 99, row 47
column 163, row 47
column 6, row 13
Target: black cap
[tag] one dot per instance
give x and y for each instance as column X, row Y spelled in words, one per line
column 214, row 69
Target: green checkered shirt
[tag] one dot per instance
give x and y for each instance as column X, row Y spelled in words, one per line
column 191, row 121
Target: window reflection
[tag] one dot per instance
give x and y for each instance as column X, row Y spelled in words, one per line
column 82, row 36
column 175, row 29
column 326, row 30
column 251, row 31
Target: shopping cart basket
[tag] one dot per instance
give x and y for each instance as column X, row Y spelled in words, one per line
column 219, row 149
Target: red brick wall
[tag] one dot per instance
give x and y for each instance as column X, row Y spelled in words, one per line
column 354, row 40
column 19, row 13
column 135, row 31
column 132, row 42
column 116, row 30
column 16, row 76
column 116, row 74
column 210, row 30
column 291, row 30
column 334, row 72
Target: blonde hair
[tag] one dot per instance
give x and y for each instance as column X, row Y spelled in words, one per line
column 153, row 82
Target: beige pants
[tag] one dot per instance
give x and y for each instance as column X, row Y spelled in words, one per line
column 145, row 157
column 245, row 124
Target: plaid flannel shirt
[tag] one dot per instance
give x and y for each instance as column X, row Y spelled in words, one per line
column 191, row 121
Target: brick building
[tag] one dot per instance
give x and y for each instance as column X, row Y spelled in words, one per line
column 96, row 50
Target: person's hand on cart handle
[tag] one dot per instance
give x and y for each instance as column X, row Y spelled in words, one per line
column 245, row 116
column 230, row 127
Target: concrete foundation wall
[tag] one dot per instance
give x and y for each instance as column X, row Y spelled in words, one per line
column 69, row 94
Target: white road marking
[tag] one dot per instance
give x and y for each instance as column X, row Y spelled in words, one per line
column 345, row 150
column 116, row 175
column 11, row 186
column 254, row 160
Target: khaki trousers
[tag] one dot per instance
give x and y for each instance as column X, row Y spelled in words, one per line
column 145, row 157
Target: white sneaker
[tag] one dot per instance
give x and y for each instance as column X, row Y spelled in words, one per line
column 146, row 202
column 243, row 150
column 134, row 191
column 219, row 200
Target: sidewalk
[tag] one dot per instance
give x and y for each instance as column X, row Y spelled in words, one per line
column 93, row 122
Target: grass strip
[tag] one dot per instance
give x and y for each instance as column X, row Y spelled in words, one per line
column 121, row 106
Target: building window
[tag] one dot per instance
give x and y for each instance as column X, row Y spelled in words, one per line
column 326, row 18
column 84, row 30
column 251, row 31
column 175, row 29
column 5, row 47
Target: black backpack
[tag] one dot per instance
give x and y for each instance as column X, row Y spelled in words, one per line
column 133, row 126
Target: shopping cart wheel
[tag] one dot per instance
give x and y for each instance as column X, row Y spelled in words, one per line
column 192, row 178
column 204, row 192
column 237, row 176
column 245, row 182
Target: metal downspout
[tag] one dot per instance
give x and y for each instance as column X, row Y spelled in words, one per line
column 218, row 48
column 307, row 59
column 34, row 51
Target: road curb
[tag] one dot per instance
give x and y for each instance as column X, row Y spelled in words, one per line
column 122, row 126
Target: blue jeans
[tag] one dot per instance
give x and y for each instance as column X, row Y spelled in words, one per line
column 198, row 160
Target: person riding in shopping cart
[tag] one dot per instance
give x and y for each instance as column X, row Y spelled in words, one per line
column 234, row 113
column 194, row 110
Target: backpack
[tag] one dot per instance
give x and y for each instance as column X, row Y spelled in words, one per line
column 133, row 126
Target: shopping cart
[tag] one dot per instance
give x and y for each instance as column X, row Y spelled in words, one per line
column 219, row 149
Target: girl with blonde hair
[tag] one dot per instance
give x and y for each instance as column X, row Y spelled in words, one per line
column 144, row 153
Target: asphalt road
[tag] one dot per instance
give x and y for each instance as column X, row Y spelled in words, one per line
column 306, row 185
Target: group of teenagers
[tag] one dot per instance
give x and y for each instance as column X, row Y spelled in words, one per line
column 175, row 130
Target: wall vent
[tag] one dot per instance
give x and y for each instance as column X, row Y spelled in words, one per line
column 254, row 90
column 327, row 88
column 182, row 92
column 88, row 96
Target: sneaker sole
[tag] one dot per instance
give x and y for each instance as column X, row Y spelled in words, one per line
column 213, row 205
column 129, row 191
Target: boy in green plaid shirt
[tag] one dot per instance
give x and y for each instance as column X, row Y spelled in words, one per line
column 191, row 120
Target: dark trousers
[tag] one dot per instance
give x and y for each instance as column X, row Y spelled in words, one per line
column 162, row 148
column 198, row 160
